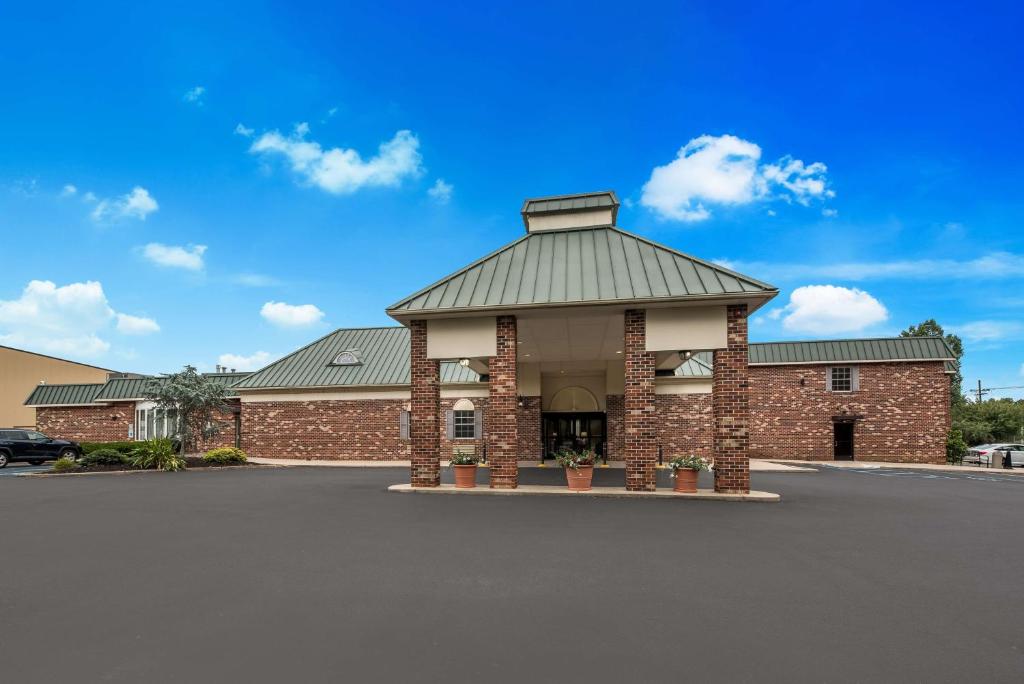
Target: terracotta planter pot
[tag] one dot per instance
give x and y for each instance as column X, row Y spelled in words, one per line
column 685, row 480
column 465, row 476
column 579, row 478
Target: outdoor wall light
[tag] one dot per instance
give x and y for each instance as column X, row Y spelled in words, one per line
column 464, row 363
column 685, row 355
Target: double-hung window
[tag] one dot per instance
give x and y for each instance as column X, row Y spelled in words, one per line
column 843, row 379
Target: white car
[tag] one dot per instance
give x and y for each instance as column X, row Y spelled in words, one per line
column 982, row 454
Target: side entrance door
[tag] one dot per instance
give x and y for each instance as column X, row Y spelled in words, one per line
column 842, row 441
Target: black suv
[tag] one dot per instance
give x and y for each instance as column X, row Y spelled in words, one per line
column 34, row 447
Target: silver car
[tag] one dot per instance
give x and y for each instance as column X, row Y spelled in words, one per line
column 982, row 454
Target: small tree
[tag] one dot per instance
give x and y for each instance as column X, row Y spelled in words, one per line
column 931, row 328
column 197, row 401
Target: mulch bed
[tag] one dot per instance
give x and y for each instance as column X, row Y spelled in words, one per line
column 190, row 462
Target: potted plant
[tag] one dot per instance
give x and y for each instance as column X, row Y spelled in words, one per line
column 579, row 468
column 685, row 470
column 464, row 465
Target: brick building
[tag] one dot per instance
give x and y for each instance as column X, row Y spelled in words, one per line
column 581, row 334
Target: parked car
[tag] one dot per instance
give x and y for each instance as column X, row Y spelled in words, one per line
column 982, row 454
column 34, row 447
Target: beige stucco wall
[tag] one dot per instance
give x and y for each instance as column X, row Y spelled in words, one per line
column 357, row 394
column 528, row 379
column 21, row 371
column 550, row 384
column 576, row 219
column 462, row 338
column 686, row 328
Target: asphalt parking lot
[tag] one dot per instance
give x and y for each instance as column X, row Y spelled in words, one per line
column 313, row 575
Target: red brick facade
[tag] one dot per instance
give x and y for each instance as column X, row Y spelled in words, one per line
column 110, row 423
column 424, row 423
column 730, row 399
column 639, row 428
column 502, row 432
column 330, row 430
column 685, row 424
column 528, row 425
column 900, row 412
column 615, row 440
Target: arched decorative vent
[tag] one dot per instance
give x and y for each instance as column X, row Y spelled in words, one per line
column 463, row 405
column 574, row 399
column 346, row 358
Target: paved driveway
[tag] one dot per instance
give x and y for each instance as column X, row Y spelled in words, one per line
column 309, row 575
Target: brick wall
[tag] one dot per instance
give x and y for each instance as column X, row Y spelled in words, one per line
column 730, row 399
column 425, row 418
column 903, row 411
column 447, row 444
column 502, row 433
column 685, row 424
column 87, row 423
column 528, row 426
column 615, row 440
column 640, row 445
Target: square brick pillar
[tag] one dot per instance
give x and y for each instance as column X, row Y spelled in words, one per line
column 424, row 420
column 502, row 406
column 730, row 397
column 640, row 445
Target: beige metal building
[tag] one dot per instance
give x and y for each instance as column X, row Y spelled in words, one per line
column 21, row 371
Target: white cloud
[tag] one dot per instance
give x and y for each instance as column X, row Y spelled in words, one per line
column 254, row 361
column 173, row 256
column 829, row 213
column 726, row 170
column 64, row 320
column 440, row 191
column 136, row 204
column 994, row 265
column 195, row 95
column 68, row 190
column 136, row 325
column 828, row 309
column 89, row 197
column 343, row 171
column 291, row 315
column 990, row 331
column 244, row 131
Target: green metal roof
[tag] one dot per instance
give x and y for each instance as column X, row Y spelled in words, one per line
column 64, row 395
column 832, row 351
column 846, row 351
column 579, row 266
column 384, row 356
column 129, row 389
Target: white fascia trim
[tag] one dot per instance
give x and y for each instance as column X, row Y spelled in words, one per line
column 844, row 362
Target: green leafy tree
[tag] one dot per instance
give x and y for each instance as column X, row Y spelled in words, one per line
column 931, row 328
column 197, row 401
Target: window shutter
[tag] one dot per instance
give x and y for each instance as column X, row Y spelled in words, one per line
column 828, row 379
column 449, row 420
column 855, row 378
column 403, row 425
column 478, row 424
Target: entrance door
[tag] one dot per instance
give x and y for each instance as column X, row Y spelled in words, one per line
column 843, row 441
column 574, row 431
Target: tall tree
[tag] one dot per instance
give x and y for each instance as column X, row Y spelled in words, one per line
column 196, row 400
column 931, row 328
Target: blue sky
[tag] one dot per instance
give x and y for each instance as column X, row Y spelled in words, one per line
column 183, row 182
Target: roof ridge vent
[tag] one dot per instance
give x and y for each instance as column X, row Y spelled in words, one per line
column 557, row 212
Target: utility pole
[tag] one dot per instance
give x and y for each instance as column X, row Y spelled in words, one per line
column 980, row 391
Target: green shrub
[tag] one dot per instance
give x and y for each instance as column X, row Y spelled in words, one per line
column 956, row 447
column 104, row 457
column 567, row 458
column 124, row 448
column 224, row 456
column 158, row 454
column 65, row 464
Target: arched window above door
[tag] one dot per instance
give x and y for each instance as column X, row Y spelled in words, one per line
column 574, row 399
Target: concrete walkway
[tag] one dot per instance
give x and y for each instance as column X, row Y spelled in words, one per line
column 606, row 492
column 756, row 465
column 861, row 465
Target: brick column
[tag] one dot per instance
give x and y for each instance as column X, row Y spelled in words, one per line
column 640, row 444
column 424, row 423
column 730, row 397
column 502, row 432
